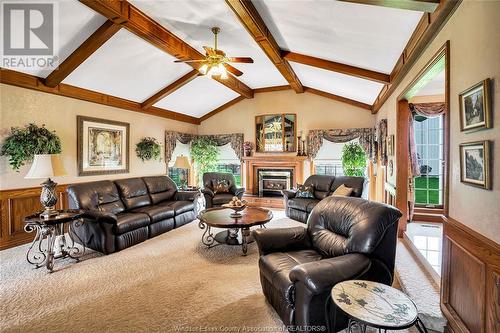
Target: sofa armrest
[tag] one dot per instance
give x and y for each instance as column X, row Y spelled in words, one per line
column 99, row 216
column 320, row 276
column 208, row 192
column 289, row 194
column 186, row 195
column 238, row 192
column 281, row 239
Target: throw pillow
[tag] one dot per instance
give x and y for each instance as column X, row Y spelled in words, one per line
column 343, row 191
column 304, row 191
column 220, row 186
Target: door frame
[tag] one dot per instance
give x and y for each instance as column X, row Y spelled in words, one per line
column 402, row 139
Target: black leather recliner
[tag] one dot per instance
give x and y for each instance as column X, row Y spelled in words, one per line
column 217, row 199
column 124, row 212
column 346, row 238
column 324, row 185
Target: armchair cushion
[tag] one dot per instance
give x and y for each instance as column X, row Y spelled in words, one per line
column 276, row 267
column 281, row 239
column 156, row 213
column 305, row 205
column 321, row 275
column 220, row 186
column 222, row 198
column 305, row 191
column 130, row 221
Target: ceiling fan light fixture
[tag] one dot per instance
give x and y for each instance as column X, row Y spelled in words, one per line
column 224, row 74
column 203, row 69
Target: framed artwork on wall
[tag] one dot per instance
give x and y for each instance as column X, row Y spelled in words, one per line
column 475, row 164
column 390, row 145
column 475, row 107
column 102, row 146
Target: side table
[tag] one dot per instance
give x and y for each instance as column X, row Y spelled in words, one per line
column 56, row 246
column 374, row 304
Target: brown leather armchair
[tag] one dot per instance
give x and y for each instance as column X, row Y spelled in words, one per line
column 346, row 238
column 213, row 199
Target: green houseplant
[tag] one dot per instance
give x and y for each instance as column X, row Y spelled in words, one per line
column 147, row 149
column 205, row 153
column 353, row 159
column 24, row 142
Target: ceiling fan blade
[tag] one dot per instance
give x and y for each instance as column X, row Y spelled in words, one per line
column 233, row 70
column 209, row 50
column 199, row 60
column 246, row 60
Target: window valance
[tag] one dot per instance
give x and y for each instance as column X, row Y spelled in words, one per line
column 315, row 139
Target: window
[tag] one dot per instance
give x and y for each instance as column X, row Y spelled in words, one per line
column 328, row 161
column 429, row 142
column 234, row 169
column 179, row 176
column 328, row 167
column 229, row 162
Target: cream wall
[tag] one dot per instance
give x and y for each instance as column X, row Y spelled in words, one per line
column 313, row 112
column 473, row 31
column 19, row 106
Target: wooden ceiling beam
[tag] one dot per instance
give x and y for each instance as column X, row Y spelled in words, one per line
column 170, row 89
column 75, row 59
column 428, row 27
column 23, row 80
column 222, row 108
column 416, row 5
column 337, row 67
column 254, row 24
column 338, row 98
column 137, row 22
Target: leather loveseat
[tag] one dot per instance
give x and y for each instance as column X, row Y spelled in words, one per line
column 323, row 186
column 213, row 199
column 124, row 212
column 346, row 238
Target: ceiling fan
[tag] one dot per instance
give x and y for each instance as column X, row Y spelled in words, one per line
column 216, row 63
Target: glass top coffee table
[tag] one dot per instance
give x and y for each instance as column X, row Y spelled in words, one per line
column 238, row 229
column 377, row 305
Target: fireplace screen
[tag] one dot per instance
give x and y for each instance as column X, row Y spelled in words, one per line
column 272, row 182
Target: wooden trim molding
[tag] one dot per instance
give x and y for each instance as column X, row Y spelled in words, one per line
column 470, row 281
column 222, row 108
column 337, row 67
column 428, row 27
column 170, row 89
column 402, row 151
column 94, row 42
column 23, row 80
column 254, row 24
column 338, row 98
column 271, row 89
column 416, row 5
column 123, row 13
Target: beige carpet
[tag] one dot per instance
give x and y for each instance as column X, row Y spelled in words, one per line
column 171, row 283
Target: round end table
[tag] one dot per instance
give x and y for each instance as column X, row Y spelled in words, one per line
column 377, row 305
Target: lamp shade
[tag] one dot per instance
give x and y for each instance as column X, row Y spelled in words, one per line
column 45, row 166
column 182, row 162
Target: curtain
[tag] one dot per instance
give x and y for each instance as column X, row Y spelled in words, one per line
column 171, row 138
column 382, row 141
column 428, row 110
column 365, row 135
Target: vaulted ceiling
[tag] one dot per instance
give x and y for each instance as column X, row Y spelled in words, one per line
column 351, row 51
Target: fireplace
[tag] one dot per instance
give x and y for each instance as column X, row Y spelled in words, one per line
column 272, row 181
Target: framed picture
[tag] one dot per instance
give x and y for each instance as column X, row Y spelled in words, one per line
column 390, row 145
column 475, row 107
column 475, row 164
column 103, row 146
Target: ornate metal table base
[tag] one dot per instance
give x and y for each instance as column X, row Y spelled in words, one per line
column 56, row 246
column 231, row 236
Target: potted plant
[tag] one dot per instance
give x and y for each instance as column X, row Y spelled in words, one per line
column 24, row 142
column 147, row 149
column 353, row 159
column 247, row 148
column 205, row 153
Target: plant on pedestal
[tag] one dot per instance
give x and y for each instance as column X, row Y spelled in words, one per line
column 353, row 159
column 205, row 153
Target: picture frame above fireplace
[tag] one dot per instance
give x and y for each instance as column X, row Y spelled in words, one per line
column 276, row 133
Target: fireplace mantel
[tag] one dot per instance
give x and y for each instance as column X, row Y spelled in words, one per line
column 261, row 161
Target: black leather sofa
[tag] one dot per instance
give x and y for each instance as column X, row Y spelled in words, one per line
column 346, row 238
column 124, row 212
column 217, row 199
column 323, row 185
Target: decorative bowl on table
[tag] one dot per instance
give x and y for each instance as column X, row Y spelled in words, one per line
column 236, row 205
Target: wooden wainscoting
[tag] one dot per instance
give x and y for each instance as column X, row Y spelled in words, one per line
column 470, row 282
column 14, row 206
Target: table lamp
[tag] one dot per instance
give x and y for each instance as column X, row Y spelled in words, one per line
column 182, row 162
column 46, row 166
